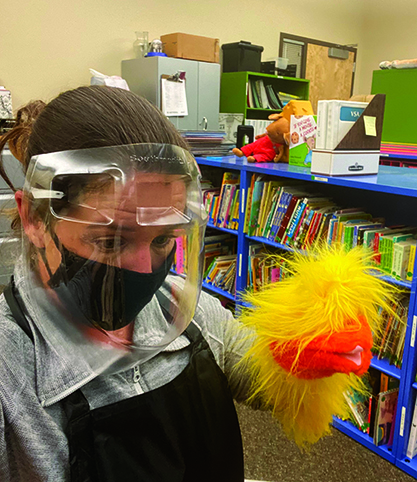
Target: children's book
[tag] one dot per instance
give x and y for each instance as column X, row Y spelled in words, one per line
column 401, row 258
column 412, row 439
column 410, row 267
column 385, row 416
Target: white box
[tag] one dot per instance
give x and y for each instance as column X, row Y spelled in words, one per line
column 345, row 163
column 341, row 115
column 322, row 108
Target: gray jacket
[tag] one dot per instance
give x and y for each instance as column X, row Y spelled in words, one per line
column 35, row 377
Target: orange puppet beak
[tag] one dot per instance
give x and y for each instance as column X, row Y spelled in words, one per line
column 343, row 352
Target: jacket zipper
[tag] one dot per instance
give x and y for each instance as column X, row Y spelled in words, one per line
column 136, row 379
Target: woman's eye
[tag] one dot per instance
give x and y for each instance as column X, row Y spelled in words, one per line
column 161, row 241
column 109, row 244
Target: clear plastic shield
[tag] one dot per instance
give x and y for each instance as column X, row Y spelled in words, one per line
column 101, row 235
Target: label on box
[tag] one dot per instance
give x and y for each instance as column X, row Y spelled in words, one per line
column 303, row 132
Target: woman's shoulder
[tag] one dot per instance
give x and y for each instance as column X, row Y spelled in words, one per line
column 15, row 345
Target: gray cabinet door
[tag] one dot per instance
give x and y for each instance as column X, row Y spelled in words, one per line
column 170, row 66
column 202, row 87
column 208, row 96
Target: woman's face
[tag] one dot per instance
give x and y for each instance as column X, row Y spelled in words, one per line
column 124, row 242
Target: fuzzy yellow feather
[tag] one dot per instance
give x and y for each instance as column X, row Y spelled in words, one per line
column 330, row 294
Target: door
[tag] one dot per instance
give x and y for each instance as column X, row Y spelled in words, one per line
column 208, row 96
column 329, row 67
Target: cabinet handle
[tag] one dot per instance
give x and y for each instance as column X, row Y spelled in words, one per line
column 204, row 123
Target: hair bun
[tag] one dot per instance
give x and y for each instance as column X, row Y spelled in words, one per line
column 18, row 137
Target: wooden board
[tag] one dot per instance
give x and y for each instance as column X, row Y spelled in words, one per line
column 329, row 78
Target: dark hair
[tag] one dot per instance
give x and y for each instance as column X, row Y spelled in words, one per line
column 86, row 117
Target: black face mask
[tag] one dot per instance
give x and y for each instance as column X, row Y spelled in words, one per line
column 110, row 297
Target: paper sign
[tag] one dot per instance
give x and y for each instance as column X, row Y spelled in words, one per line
column 370, row 125
column 173, row 98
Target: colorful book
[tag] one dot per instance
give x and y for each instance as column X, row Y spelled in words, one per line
column 385, row 416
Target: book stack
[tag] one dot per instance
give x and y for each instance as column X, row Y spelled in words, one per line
column 222, row 204
column 207, row 143
column 283, row 212
column 222, row 273
column 220, row 260
column 285, row 98
column 262, row 95
column 389, row 342
column 264, row 269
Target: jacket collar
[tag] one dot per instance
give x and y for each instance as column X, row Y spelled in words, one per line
column 64, row 359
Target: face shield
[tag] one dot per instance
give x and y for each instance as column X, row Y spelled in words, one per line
column 103, row 227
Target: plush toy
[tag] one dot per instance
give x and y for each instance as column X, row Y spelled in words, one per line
column 399, row 64
column 314, row 338
column 273, row 144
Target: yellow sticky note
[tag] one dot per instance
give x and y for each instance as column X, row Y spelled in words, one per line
column 370, row 125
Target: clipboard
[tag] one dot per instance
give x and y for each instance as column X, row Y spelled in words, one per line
column 173, row 95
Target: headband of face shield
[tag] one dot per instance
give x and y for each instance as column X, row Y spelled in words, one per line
column 106, row 228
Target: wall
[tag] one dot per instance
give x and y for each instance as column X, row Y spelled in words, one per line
column 390, row 33
column 48, row 46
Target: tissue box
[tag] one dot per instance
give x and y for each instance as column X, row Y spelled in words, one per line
column 6, row 111
column 345, row 163
column 192, row 47
column 303, row 131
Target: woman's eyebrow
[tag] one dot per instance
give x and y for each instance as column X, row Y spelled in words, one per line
column 111, row 227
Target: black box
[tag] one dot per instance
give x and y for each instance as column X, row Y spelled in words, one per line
column 241, row 56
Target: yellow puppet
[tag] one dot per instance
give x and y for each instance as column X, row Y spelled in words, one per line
column 314, row 338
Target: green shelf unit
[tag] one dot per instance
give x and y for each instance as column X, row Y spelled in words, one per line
column 399, row 87
column 234, row 85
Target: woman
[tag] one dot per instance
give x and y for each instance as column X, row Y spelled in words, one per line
column 109, row 369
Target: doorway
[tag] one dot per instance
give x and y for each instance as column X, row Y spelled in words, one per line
column 329, row 67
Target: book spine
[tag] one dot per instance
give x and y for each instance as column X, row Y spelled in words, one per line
column 286, row 219
column 410, row 267
column 295, row 220
column 280, row 214
column 321, row 124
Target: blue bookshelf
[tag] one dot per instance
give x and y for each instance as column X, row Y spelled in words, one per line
column 393, row 191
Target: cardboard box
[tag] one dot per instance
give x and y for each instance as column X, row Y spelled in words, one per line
column 192, row 47
column 345, row 163
column 303, row 131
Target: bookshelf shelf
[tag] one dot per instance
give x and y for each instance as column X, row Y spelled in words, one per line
column 234, row 91
column 393, row 195
column 404, row 284
column 218, row 291
column 226, row 230
column 383, row 365
column 408, row 466
column 268, row 242
column 210, row 287
column 363, row 438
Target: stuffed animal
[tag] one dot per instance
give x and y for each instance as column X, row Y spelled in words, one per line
column 399, row 64
column 313, row 338
column 273, row 144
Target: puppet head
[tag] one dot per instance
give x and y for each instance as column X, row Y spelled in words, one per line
column 314, row 338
